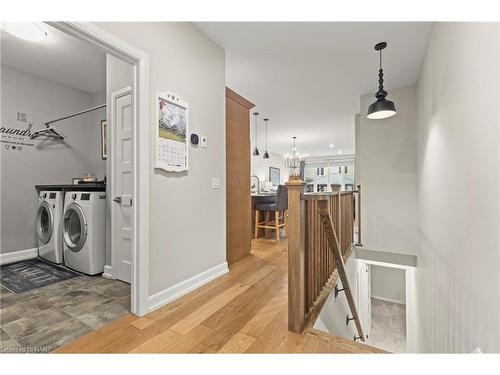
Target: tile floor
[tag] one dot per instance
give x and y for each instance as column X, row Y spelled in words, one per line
column 388, row 329
column 42, row 319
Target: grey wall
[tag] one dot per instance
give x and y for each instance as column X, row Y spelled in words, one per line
column 386, row 152
column 187, row 216
column 98, row 164
column 47, row 162
column 458, row 187
column 388, row 283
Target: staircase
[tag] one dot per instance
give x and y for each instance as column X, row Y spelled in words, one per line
column 320, row 240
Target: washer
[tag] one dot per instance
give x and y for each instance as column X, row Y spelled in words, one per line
column 48, row 226
column 84, row 231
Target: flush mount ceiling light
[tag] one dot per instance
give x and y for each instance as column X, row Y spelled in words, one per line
column 256, row 150
column 266, row 154
column 30, row 31
column 382, row 108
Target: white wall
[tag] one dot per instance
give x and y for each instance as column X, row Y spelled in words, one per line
column 332, row 316
column 458, row 187
column 45, row 162
column 386, row 170
column 260, row 167
column 187, row 216
column 357, row 122
column 388, row 284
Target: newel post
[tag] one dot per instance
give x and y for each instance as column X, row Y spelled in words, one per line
column 296, row 262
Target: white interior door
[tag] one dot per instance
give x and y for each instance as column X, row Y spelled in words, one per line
column 122, row 181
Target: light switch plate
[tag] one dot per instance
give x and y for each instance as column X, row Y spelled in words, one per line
column 204, row 141
column 215, row 182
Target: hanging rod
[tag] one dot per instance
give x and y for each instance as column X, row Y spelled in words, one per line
column 75, row 114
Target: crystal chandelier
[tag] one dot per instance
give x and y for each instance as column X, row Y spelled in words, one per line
column 293, row 161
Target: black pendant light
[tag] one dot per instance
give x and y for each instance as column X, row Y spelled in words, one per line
column 266, row 154
column 256, row 150
column 382, row 108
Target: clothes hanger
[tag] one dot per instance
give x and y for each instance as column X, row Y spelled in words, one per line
column 49, row 131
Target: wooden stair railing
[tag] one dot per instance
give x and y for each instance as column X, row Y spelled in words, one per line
column 321, row 238
column 333, row 243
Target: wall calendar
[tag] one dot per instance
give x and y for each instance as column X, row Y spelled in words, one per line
column 172, row 125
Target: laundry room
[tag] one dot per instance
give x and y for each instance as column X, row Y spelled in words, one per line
column 66, row 224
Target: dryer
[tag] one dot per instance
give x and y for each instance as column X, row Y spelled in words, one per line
column 84, row 231
column 48, row 226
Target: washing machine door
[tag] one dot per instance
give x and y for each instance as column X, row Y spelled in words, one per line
column 44, row 223
column 74, row 227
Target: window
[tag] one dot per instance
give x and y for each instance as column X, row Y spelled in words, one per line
column 321, row 187
column 321, row 178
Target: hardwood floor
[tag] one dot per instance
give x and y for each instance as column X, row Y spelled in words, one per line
column 244, row 311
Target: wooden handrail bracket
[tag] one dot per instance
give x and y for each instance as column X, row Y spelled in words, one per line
column 334, row 245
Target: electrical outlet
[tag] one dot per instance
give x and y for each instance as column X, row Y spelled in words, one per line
column 204, row 141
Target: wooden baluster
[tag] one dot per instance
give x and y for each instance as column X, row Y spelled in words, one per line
column 359, row 217
column 296, row 256
column 316, row 249
column 307, row 257
column 340, row 222
column 352, row 216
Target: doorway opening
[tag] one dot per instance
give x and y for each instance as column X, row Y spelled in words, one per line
column 387, row 308
column 138, row 238
column 72, row 117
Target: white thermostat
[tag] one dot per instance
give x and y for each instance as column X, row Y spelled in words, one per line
column 204, row 141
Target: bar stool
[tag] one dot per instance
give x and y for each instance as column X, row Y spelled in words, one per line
column 279, row 206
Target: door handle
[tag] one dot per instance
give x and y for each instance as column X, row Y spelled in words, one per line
column 117, row 199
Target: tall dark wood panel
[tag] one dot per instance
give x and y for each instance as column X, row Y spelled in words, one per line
column 238, row 211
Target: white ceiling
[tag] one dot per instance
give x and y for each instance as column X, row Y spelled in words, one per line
column 60, row 58
column 308, row 77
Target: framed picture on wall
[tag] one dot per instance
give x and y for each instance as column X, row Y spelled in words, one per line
column 104, row 139
column 274, row 176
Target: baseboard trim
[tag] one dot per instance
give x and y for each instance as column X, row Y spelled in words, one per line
column 172, row 293
column 388, row 300
column 17, row 256
column 108, row 272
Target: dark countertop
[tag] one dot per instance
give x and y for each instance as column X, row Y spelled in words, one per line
column 73, row 187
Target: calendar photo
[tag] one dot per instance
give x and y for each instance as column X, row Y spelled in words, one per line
column 172, row 128
column 172, row 123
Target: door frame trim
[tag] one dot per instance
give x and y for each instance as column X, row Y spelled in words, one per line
column 108, row 43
